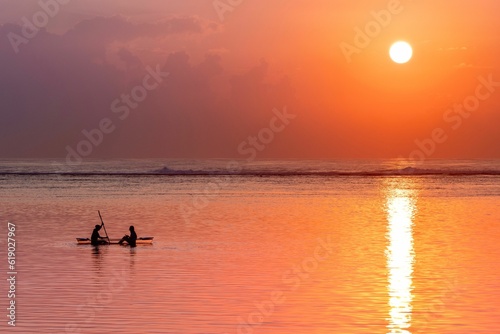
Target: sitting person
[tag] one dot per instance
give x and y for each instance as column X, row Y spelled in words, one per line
column 130, row 239
column 96, row 239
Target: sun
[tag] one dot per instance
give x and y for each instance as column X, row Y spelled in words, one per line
column 401, row 52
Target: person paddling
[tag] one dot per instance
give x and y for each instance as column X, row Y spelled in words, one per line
column 130, row 239
column 96, row 239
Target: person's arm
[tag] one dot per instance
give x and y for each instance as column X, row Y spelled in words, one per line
column 105, row 239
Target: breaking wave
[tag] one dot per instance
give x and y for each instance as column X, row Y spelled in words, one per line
column 287, row 172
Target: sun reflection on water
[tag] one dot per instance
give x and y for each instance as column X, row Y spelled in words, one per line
column 400, row 207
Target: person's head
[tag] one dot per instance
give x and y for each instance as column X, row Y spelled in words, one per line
column 98, row 227
column 131, row 228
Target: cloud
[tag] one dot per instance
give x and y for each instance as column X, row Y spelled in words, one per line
column 94, row 35
column 118, row 28
column 191, row 116
column 60, row 85
column 129, row 58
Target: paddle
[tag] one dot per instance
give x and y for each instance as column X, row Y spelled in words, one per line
column 102, row 222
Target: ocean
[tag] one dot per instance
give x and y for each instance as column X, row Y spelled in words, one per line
column 292, row 246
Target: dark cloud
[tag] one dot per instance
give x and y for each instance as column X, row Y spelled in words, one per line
column 116, row 28
column 188, row 116
column 131, row 60
column 60, row 85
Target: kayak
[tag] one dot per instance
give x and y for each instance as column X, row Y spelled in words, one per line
column 140, row 241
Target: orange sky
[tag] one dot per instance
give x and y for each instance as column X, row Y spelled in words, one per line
column 229, row 70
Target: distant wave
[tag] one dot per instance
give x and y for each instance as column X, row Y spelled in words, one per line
column 386, row 172
column 165, row 171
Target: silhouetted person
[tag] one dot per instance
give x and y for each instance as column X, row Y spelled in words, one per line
column 130, row 239
column 96, row 239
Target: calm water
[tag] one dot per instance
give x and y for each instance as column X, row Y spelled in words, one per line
column 288, row 247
